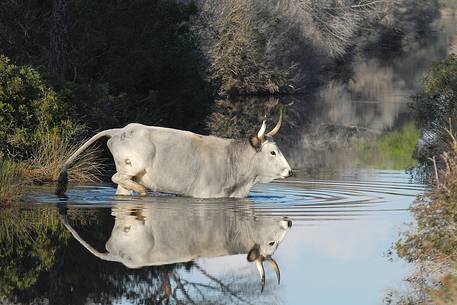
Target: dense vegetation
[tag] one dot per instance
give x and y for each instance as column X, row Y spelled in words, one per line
column 164, row 61
column 117, row 63
column 28, row 110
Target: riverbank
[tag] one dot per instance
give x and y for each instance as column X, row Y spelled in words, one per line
column 432, row 243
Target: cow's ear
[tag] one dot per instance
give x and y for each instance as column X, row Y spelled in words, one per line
column 253, row 254
column 256, row 143
column 138, row 215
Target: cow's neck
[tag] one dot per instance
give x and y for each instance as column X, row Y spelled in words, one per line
column 241, row 174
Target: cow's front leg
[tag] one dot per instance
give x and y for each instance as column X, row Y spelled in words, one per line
column 123, row 191
column 127, row 185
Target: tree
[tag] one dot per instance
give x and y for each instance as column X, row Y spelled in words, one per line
column 58, row 32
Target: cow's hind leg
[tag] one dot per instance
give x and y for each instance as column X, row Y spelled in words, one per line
column 127, row 185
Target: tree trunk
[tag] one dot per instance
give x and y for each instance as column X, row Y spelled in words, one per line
column 58, row 39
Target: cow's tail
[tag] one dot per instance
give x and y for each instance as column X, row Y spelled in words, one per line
column 62, row 180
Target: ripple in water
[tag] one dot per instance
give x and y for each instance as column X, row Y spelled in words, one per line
column 344, row 195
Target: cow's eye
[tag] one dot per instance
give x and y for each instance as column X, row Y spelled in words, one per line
column 273, row 153
column 271, row 243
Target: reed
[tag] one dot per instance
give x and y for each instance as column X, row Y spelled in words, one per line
column 50, row 155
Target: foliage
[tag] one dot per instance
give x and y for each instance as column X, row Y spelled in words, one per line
column 28, row 108
column 129, row 61
column 392, row 149
column 12, row 182
column 164, row 61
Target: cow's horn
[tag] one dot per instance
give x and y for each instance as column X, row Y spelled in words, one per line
column 261, row 269
column 275, row 267
column 278, row 125
column 261, row 132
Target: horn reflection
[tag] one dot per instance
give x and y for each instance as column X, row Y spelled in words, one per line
column 275, row 267
column 261, row 269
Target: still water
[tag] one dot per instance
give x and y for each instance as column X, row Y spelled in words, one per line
column 167, row 249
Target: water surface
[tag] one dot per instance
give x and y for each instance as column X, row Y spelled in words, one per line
column 343, row 223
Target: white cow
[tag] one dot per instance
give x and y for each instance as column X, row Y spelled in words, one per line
column 181, row 162
column 150, row 235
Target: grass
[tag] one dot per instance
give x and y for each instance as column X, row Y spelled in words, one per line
column 390, row 151
column 50, row 156
column 45, row 164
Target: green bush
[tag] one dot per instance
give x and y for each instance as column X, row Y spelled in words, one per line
column 28, row 109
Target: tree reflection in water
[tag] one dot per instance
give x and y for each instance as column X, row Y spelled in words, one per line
column 42, row 263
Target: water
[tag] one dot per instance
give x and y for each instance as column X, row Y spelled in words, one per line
column 194, row 251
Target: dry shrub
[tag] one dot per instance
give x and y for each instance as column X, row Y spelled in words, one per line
column 52, row 152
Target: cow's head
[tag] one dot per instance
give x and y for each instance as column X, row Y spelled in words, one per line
column 267, row 236
column 131, row 241
column 270, row 163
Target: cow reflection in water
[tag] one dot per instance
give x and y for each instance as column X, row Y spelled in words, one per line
column 150, row 235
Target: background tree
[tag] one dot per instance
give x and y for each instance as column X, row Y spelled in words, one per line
column 57, row 63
